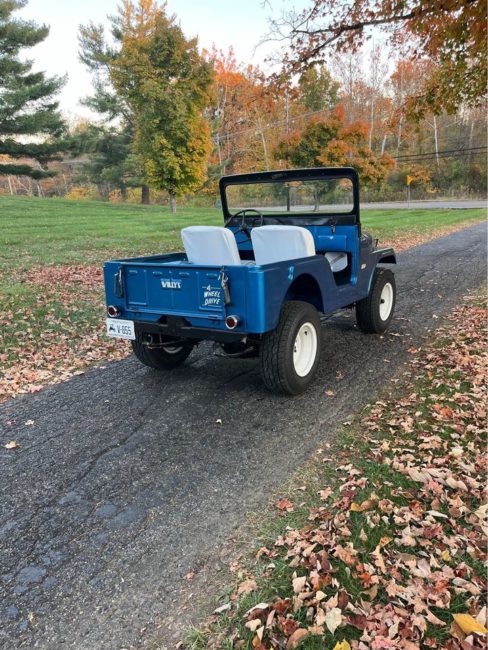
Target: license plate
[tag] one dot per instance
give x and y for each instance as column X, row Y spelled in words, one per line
column 121, row 329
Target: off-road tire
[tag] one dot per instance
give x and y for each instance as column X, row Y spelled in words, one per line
column 368, row 316
column 159, row 358
column 276, row 350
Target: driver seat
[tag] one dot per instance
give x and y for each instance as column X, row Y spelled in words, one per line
column 210, row 246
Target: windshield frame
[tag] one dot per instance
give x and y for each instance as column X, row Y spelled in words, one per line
column 295, row 218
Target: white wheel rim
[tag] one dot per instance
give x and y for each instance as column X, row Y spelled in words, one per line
column 386, row 301
column 172, row 349
column 305, row 349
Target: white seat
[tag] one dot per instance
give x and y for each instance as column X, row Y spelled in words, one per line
column 281, row 243
column 337, row 261
column 210, row 245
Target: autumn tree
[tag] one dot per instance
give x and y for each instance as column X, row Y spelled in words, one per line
column 28, row 105
column 157, row 81
column 248, row 115
column 166, row 83
column 332, row 143
column 450, row 34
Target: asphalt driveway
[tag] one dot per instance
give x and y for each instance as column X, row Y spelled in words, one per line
column 126, row 480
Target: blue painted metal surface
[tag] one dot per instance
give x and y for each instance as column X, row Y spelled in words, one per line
column 167, row 285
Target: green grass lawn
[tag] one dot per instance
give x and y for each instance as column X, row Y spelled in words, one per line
column 55, row 231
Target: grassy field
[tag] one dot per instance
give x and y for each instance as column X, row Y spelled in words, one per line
column 51, row 254
column 49, row 231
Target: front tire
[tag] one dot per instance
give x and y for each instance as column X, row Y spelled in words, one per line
column 161, row 358
column 290, row 354
column 374, row 313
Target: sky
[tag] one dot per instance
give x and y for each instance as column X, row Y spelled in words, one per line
column 237, row 23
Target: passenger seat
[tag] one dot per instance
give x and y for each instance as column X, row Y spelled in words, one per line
column 281, row 243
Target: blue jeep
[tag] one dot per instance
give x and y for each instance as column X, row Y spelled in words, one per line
column 291, row 248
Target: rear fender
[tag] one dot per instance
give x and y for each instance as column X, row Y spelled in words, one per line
column 305, row 288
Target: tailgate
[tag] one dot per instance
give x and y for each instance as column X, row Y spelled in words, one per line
column 174, row 289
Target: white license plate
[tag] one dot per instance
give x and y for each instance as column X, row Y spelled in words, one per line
column 121, row 329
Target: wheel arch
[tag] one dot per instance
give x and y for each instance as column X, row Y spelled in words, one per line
column 386, row 256
column 388, row 259
column 306, row 289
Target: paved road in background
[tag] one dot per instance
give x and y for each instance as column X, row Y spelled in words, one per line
column 423, row 205
column 125, row 481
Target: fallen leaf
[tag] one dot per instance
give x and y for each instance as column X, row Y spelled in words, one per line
column 247, row 586
column 333, row 619
column 468, row 624
column 433, row 619
column 342, row 645
column 253, row 625
column 299, row 584
column 259, row 633
column 284, row 504
column 325, row 494
column 222, row 608
column 12, row 445
column 256, row 608
column 296, row 638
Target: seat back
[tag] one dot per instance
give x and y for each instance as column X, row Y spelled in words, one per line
column 281, row 243
column 210, row 245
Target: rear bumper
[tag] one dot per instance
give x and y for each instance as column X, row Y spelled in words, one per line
column 178, row 327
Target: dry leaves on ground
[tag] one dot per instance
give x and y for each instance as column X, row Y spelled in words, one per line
column 395, row 556
column 55, row 331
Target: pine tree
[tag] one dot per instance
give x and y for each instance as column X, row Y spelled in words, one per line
column 30, row 123
column 110, row 164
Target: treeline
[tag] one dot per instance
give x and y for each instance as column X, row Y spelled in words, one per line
column 172, row 120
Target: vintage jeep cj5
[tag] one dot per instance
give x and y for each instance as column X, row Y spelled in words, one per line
column 291, row 248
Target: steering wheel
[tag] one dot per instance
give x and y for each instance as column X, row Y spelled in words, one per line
column 244, row 227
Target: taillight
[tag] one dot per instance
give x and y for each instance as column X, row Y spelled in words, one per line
column 112, row 311
column 231, row 322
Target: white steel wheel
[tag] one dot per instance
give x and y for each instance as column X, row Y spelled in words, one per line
column 386, row 301
column 374, row 313
column 305, row 349
column 289, row 355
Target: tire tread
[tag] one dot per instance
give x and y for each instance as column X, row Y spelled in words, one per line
column 273, row 353
column 155, row 357
column 367, row 317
